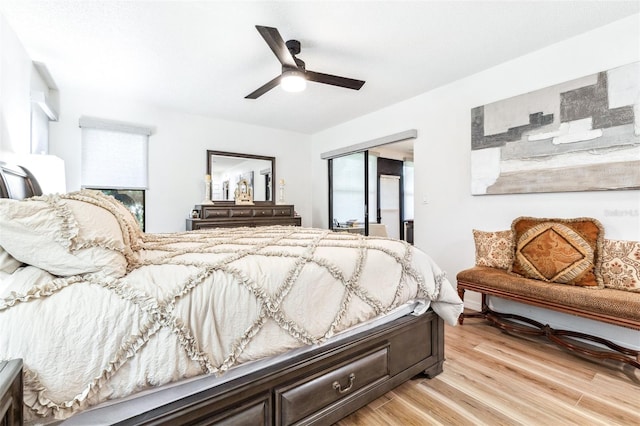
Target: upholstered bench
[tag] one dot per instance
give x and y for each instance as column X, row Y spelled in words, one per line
column 606, row 286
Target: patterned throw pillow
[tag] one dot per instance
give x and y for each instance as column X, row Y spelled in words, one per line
column 565, row 251
column 621, row 265
column 494, row 249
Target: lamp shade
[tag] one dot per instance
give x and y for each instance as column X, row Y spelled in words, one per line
column 293, row 81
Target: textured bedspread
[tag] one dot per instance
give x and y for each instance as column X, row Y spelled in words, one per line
column 199, row 303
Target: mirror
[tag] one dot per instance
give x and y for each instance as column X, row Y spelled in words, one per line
column 227, row 169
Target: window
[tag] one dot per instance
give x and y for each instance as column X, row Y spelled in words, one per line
column 133, row 199
column 115, row 161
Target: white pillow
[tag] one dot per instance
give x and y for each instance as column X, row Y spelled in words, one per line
column 63, row 236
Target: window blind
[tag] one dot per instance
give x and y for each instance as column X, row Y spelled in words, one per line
column 114, row 154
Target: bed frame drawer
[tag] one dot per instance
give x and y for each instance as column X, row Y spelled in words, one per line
column 332, row 386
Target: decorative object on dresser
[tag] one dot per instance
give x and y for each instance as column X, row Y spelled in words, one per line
column 207, row 190
column 244, row 193
column 281, row 199
column 227, row 214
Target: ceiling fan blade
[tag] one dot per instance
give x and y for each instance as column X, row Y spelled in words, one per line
column 264, row 89
column 277, row 45
column 334, row 80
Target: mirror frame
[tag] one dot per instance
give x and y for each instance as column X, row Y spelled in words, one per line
column 211, row 153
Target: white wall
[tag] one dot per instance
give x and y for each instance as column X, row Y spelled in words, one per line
column 15, row 102
column 442, row 158
column 177, row 153
column 18, row 77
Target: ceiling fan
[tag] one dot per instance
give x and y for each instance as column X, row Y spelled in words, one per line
column 294, row 74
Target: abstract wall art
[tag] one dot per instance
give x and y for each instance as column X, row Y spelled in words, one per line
column 582, row 135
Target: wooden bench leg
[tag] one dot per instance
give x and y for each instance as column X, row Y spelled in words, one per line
column 461, row 296
column 481, row 314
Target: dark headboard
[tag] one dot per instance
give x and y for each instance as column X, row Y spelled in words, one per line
column 17, row 182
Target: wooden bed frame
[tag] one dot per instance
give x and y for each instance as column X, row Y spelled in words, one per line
column 319, row 387
column 17, row 182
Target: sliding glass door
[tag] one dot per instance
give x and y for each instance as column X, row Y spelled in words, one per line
column 349, row 193
column 371, row 187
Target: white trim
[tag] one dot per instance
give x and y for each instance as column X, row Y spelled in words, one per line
column 40, row 99
column 115, row 126
column 363, row 146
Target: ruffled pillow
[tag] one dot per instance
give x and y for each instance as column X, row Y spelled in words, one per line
column 131, row 232
column 63, row 235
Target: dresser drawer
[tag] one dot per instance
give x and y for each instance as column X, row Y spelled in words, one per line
column 213, row 213
column 283, row 211
column 332, row 386
column 241, row 213
column 263, row 212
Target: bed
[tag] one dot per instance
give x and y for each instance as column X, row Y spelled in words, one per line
column 271, row 325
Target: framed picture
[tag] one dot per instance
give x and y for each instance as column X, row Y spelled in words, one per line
column 581, row 135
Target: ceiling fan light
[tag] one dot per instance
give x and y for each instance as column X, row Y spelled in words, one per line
column 293, row 81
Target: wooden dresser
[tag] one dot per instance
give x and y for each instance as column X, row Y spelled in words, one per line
column 228, row 215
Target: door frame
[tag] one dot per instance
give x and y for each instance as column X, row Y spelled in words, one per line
column 365, row 155
column 389, row 167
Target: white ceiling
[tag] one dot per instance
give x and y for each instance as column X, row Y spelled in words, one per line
column 203, row 57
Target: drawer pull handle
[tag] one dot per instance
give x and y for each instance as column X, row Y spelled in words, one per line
column 338, row 387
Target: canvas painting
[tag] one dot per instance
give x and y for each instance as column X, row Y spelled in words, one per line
column 582, row 135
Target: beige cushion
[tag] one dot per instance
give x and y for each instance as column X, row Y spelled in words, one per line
column 62, row 236
column 494, row 249
column 621, row 265
column 565, row 251
column 607, row 301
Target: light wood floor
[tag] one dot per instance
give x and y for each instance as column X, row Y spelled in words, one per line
column 494, row 378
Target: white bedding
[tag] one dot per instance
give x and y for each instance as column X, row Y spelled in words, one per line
column 199, row 303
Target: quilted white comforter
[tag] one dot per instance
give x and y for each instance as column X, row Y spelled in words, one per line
column 198, row 303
